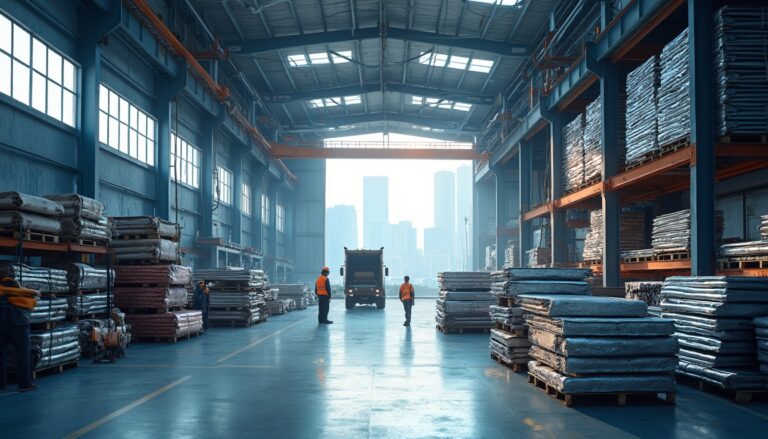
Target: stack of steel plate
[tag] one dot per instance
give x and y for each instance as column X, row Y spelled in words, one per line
column 538, row 257
column 298, row 292
column 593, row 242
column 52, row 348
column 593, row 141
column 237, row 296
column 156, row 275
column 674, row 91
column 83, row 218
column 465, row 298
column 49, row 310
column 761, row 331
column 26, row 213
column 511, row 255
column 632, row 255
column 154, row 298
column 744, row 249
column 631, row 233
column 764, row 227
column 741, row 86
column 274, row 307
column 144, row 239
column 87, row 304
column 573, row 158
column 672, row 232
column 169, row 325
column 586, row 344
column 83, row 277
column 713, row 318
column 642, row 111
column 45, row 280
column 646, row 291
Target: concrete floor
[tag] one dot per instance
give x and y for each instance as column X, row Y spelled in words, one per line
column 364, row 376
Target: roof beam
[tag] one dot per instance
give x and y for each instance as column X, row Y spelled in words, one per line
column 451, row 95
column 333, row 122
column 250, row 47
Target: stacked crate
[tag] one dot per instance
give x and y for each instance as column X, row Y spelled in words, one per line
column 674, row 92
column 83, row 221
column 642, row 111
column 573, row 156
column 30, row 218
column 237, row 297
column 465, row 298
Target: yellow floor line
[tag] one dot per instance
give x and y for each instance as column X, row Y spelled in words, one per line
column 94, row 425
column 245, row 348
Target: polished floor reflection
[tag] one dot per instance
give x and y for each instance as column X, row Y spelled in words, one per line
column 364, row 376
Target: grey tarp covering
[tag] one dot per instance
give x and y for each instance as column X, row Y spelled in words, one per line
column 603, row 327
column 619, row 383
column 85, row 277
column 716, row 345
column 78, row 205
column 49, row 310
column 581, row 306
column 85, row 304
column 598, row 365
column 29, row 222
column 45, row 280
column 710, row 323
column 515, row 288
column 82, row 228
column 51, row 348
column 509, row 340
column 467, row 296
column 741, row 249
column 642, row 110
column 718, row 309
column 564, row 274
column 145, row 250
column 603, row 346
column 29, row 203
column 465, row 307
column 711, row 359
column 729, row 379
column 143, row 225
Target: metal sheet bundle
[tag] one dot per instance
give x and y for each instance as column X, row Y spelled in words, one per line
column 507, row 315
column 29, row 222
column 593, row 141
column 464, row 309
column 764, row 227
column 761, row 331
column 511, row 349
column 741, row 83
column 573, row 156
column 631, row 233
column 45, row 280
column 157, row 275
column 75, row 205
column 83, row 218
column 172, row 324
column 511, row 255
column 642, row 111
column 239, row 277
column 52, row 348
column 674, row 95
column 298, row 292
column 538, row 257
column 646, row 291
column 585, row 344
column 27, row 213
column 49, row 310
column 235, row 299
column 237, row 295
column 83, row 277
column 157, row 298
column 129, row 227
column 87, row 304
column 593, row 242
column 239, row 316
column 28, row 203
column 744, row 249
column 713, row 323
column 275, row 307
column 145, row 250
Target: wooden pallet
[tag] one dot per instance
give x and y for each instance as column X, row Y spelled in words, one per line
column 148, row 262
column 507, row 302
column 87, row 242
column 744, row 263
column 54, row 369
column 30, row 236
column 165, row 339
column 516, row 332
column 634, row 259
column 738, row 396
column 446, row 330
column 743, row 138
column 585, row 184
column 75, row 319
column 672, row 256
column 618, row 398
column 233, row 323
column 163, row 310
column 229, row 308
column 135, row 236
column 45, row 326
column 661, row 152
column 516, row 367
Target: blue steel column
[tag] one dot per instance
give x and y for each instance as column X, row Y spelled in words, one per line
column 609, row 95
column 273, row 228
column 89, row 56
column 502, row 213
column 208, row 148
column 556, row 189
column 167, row 90
column 701, row 60
column 237, row 197
column 257, row 183
column 476, row 224
column 524, row 193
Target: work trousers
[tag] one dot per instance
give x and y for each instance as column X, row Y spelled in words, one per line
column 407, row 305
column 324, row 304
column 205, row 310
column 18, row 337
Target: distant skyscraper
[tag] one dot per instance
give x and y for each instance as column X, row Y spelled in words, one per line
column 401, row 255
column 463, row 211
column 340, row 232
column 375, row 211
column 445, row 216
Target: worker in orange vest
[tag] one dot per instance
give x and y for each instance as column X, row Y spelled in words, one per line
column 323, row 292
column 407, row 296
column 16, row 305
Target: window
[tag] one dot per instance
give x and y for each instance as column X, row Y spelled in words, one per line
column 264, row 209
column 319, row 58
column 125, row 127
column 333, row 102
column 36, row 75
column 224, row 185
column 456, row 62
column 246, row 207
column 185, row 160
column 280, row 213
column 500, row 2
column 430, row 129
column 440, row 103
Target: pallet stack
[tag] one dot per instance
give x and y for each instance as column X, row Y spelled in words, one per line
column 237, row 296
column 642, row 111
column 593, row 141
column 674, row 92
column 593, row 242
column 297, row 292
column 672, row 232
column 713, row 318
column 751, row 252
column 464, row 302
column 644, row 291
column 30, row 218
column 573, row 157
column 585, row 345
column 89, row 288
column 631, row 233
column 83, row 221
column 144, row 239
column 761, row 332
column 764, row 227
column 509, row 341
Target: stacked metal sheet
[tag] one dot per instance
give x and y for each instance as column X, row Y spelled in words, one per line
column 87, row 304
column 538, row 257
column 674, row 91
column 168, row 325
column 631, row 233
column 144, row 239
column 237, row 295
column 713, row 318
column 83, row 218
column 464, row 280
column 593, row 242
column 672, row 232
column 465, row 298
column 49, row 310
column 741, row 85
column 646, row 291
column 274, row 307
column 45, row 280
column 151, row 287
column 586, row 344
column 642, row 111
column 764, row 227
column 593, row 141
column 83, row 277
column 26, row 213
column 761, row 331
column 643, row 253
column 241, row 277
column 55, row 347
column 298, row 292
column 511, row 255
column 157, row 275
column 128, row 227
column 744, row 249
column 573, row 157
column 154, row 298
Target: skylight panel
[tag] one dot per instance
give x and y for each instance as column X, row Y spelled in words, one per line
column 318, row 58
column 433, row 59
column 317, row 103
column 440, row 103
column 351, row 100
column 332, row 102
column 480, row 65
column 458, row 62
column 345, row 57
column 297, row 60
column 461, row 106
column 417, row 100
column 499, row 2
column 336, row 101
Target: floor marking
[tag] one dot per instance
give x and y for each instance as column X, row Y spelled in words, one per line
column 192, row 366
column 732, row 404
column 94, row 425
column 245, row 348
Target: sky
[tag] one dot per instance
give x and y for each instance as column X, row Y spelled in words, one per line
column 411, row 184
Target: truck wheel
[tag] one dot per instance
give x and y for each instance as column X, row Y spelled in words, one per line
column 380, row 304
column 349, row 303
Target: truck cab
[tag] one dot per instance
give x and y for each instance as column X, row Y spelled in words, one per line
column 364, row 274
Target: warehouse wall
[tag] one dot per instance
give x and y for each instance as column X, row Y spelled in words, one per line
column 309, row 218
column 42, row 155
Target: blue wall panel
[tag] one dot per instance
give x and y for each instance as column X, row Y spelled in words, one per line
column 33, row 176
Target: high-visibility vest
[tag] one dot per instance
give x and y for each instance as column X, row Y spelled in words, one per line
column 320, row 286
column 17, row 296
column 406, row 291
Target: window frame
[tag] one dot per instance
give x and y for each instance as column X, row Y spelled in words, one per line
column 265, row 211
column 122, row 138
column 189, row 165
column 280, row 218
column 225, row 185
column 246, row 204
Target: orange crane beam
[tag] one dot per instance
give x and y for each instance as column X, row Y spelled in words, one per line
column 297, row 152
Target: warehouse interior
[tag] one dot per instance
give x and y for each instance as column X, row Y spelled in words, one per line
column 163, row 218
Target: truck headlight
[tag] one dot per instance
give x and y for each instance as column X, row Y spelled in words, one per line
column 378, row 291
